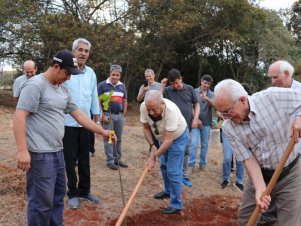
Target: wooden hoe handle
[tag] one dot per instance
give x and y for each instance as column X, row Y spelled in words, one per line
column 127, row 206
column 273, row 181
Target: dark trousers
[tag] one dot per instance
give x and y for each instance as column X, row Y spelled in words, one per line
column 76, row 147
column 46, row 189
column 92, row 142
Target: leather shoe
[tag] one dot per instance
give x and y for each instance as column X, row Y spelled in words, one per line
column 171, row 210
column 112, row 166
column 121, row 163
column 161, row 195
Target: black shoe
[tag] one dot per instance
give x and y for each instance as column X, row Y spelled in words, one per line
column 121, row 163
column 91, row 198
column 112, row 166
column 225, row 184
column 161, row 195
column 170, row 210
column 240, row 187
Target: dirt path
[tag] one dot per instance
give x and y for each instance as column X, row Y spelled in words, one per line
column 205, row 203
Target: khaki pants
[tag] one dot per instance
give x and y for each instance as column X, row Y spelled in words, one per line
column 287, row 195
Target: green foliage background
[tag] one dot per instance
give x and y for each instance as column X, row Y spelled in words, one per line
column 225, row 38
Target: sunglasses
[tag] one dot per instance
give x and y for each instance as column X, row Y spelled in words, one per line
column 156, row 132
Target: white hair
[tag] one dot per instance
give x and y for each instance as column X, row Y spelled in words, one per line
column 286, row 66
column 231, row 88
column 154, row 95
column 80, row 40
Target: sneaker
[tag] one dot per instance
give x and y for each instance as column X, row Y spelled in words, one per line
column 112, row 166
column 240, row 187
column 91, row 198
column 225, row 184
column 121, row 163
column 73, row 203
column 187, row 182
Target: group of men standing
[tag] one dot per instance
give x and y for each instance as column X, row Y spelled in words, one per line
column 53, row 119
column 52, row 125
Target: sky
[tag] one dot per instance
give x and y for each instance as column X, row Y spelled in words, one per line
column 276, row 4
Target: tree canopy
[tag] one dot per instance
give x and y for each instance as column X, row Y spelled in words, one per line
column 225, row 38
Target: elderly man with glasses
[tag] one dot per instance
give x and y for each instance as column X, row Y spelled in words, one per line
column 258, row 128
column 164, row 119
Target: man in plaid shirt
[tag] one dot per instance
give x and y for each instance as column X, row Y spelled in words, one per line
column 258, row 128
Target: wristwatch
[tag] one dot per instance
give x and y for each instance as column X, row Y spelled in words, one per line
column 298, row 113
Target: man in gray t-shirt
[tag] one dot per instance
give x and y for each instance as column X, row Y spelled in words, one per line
column 29, row 70
column 38, row 126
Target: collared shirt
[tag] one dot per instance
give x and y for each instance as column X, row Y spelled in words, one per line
column 267, row 133
column 18, row 84
column 172, row 121
column 118, row 96
column 84, row 93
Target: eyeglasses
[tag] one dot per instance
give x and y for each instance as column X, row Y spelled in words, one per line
column 156, row 131
column 228, row 111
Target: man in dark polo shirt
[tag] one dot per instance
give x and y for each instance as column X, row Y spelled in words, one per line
column 185, row 98
column 113, row 118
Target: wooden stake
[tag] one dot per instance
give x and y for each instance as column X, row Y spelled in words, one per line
column 127, row 206
column 256, row 213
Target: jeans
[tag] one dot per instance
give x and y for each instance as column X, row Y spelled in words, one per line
column 204, row 134
column 116, row 123
column 46, row 188
column 227, row 162
column 76, row 147
column 172, row 169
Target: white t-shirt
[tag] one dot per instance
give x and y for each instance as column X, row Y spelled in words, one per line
column 172, row 121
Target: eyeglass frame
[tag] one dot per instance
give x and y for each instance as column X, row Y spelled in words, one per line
column 228, row 111
column 156, row 131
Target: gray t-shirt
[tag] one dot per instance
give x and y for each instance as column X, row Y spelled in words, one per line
column 48, row 105
column 206, row 110
column 18, row 83
column 154, row 86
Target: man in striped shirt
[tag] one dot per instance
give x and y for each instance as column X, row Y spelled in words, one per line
column 258, row 128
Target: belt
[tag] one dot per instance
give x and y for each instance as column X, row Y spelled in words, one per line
column 114, row 113
column 267, row 174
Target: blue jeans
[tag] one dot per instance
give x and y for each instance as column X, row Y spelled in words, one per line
column 204, row 134
column 172, row 169
column 228, row 153
column 116, row 124
column 46, row 188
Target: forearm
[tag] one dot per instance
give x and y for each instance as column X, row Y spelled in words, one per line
column 125, row 106
column 140, row 96
column 147, row 134
column 86, row 122
column 254, row 172
column 19, row 128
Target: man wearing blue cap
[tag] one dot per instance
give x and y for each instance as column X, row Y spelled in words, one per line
column 38, row 126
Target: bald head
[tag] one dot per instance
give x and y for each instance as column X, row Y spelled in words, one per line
column 280, row 73
column 29, row 68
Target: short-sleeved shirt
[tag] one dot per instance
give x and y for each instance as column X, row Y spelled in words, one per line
column 184, row 99
column 205, row 108
column 172, row 120
column 267, row 133
column 18, row 83
column 48, row 105
column 154, row 86
column 83, row 89
column 119, row 94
